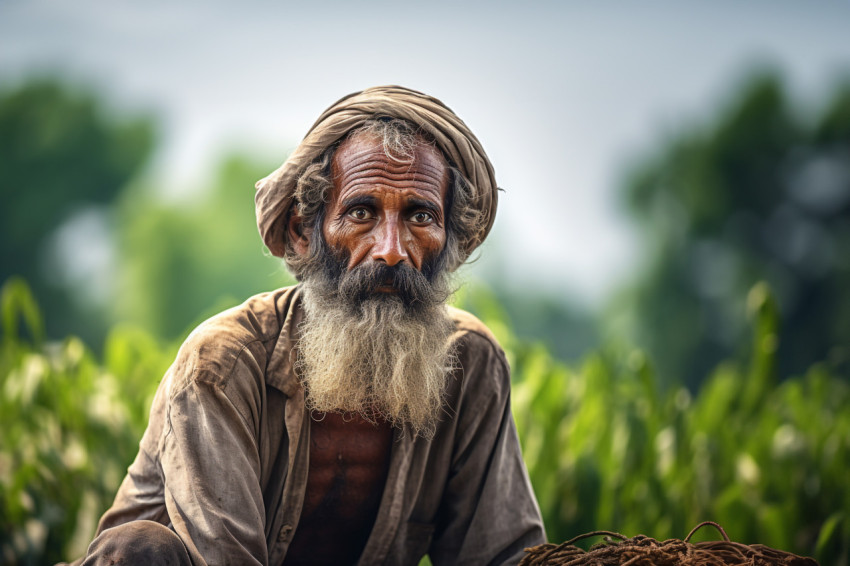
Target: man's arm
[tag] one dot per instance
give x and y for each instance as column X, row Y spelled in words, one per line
column 489, row 513
column 198, row 465
column 211, row 470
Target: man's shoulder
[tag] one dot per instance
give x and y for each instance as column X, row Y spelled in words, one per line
column 466, row 322
column 215, row 345
column 260, row 317
column 484, row 370
column 474, row 334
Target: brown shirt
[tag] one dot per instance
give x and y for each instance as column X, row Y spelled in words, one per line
column 224, row 459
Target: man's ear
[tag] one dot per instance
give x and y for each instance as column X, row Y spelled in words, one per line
column 298, row 235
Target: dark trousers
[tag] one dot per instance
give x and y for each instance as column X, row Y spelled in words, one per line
column 137, row 543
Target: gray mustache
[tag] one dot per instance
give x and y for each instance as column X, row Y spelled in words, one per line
column 411, row 286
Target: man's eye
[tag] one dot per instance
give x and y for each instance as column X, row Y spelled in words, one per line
column 422, row 217
column 359, row 213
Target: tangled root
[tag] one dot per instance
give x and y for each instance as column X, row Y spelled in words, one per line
column 645, row 551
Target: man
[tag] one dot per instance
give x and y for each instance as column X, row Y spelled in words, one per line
column 353, row 418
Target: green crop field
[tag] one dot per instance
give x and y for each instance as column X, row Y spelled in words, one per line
column 606, row 446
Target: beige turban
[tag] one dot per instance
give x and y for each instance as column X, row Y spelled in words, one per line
column 274, row 193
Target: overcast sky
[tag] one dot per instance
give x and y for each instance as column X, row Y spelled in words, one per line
column 561, row 94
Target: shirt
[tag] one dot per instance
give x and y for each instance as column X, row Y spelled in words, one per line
column 225, row 457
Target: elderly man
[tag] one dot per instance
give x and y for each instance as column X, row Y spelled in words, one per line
column 353, row 418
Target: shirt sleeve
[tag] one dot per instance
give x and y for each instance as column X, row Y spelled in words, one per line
column 489, row 514
column 210, row 466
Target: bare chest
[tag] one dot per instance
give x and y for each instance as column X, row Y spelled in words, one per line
column 349, row 461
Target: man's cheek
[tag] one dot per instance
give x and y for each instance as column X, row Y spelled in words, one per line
column 434, row 265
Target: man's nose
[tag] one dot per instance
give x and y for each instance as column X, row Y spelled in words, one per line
column 388, row 247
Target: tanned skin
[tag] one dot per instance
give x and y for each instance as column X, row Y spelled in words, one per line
column 349, row 461
column 385, row 211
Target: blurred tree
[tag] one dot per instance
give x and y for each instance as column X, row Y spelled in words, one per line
column 760, row 192
column 61, row 153
column 187, row 259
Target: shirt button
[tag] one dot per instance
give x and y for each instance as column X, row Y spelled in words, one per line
column 284, row 533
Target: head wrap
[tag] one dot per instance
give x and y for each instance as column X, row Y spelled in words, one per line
column 274, row 196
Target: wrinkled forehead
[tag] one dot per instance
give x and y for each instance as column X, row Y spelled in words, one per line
column 423, row 147
column 364, row 157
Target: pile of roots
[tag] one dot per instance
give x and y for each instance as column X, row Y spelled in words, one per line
column 617, row 550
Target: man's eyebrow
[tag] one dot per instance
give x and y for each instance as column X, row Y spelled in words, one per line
column 362, row 200
column 414, row 202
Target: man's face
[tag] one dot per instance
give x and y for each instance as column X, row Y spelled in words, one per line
column 384, row 211
column 376, row 338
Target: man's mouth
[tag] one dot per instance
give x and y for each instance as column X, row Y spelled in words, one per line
column 386, row 286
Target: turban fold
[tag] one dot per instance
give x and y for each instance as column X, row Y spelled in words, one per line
column 274, row 197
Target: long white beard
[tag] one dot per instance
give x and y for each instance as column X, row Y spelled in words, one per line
column 379, row 360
